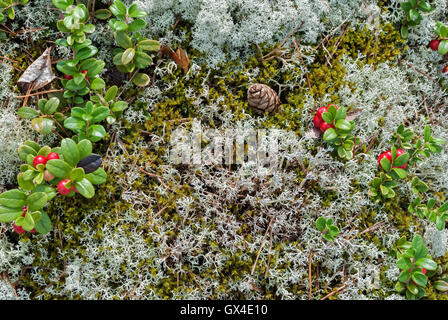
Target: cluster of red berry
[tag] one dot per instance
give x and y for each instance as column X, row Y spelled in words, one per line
column 19, row 229
column 48, row 176
column 68, row 77
column 388, row 156
column 319, row 122
column 434, row 45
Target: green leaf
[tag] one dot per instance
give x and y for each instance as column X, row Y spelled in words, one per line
column 441, row 285
column 111, row 93
column 49, row 191
column 119, row 106
column 102, row 14
column 99, row 114
column 25, row 150
column 85, row 188
column 43, row 226
column 62, row 4
column 401, row 160
column 70, row 152
column 127, row 56
column 404, row 31
column 414, row 15
column 26, row 222
column 51, row 106
column 136, row 25
column 426, row 263
column 412, row 288
column 77, row 174
column 142, row 60
column 419, row 278
column 321, row 224
column 123, row 40
column 149, row 45
column 135, row 13
column 9, row 214
column 343, row 125
column 118, row 8
column 118, row 25
column 425, row 6
column 27, row 113
column 404, row 263
column 43, row 125
column 32, row 144
column 404, row 276
column 99, row 176
column 97, row 84
column 385, row 164
column 443, row 47
column 341, row 114
column 84, row 148
column 27, row 185
column 59, row 168
column 427, row 133
column 96, row 133
column 74, row 124
column 13, row 198
column 328, row 117
column 330, row 134
column 443, row 207
column 406, row 6
column 141, row 79
column 400, row 172
column 36, row 201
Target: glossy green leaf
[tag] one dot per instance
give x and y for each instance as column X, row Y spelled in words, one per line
column 85, row 188
column 59, row 168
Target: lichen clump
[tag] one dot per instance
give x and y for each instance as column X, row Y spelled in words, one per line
column 158, row 230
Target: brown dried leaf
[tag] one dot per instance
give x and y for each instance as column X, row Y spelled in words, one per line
column 184, row 61
column 179, row 57
column 39, row 72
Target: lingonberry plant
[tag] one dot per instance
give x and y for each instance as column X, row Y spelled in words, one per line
column 71, row 168
column 416, row 265
column 441, row 43
column 413, row 14
column 131, row 55
column 43, row 120
column 7, row 9
column 436, row 215
column 84, row 121
column 337, row 130
column 395, row 162
column 82, row 72
column 326, row 227
column 109, row 99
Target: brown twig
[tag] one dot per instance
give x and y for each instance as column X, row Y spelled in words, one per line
column 309, row 273
column 334, row 292
column 41, row 92
column 301, row 59
column 262, row 245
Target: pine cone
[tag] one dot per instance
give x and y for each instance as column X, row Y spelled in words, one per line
column 262, row 98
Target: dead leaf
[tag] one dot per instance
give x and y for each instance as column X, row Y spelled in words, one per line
column 313, row 133
column 39, row 72
column 179, row 57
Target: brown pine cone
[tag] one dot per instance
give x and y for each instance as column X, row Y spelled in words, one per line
column 263, row 99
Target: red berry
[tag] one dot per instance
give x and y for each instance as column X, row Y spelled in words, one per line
column 18, row 229
column 84, row 71
column 66, row 76
column 317, row 121
column 434, row 44
column 399, row 153
column 39, row 160
column 445, row 70
column 387, row 155
column 423, row 270
column 325, row 126
column 34, row 230
column 61, row 187
column 52, row 156
column 320, row 111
